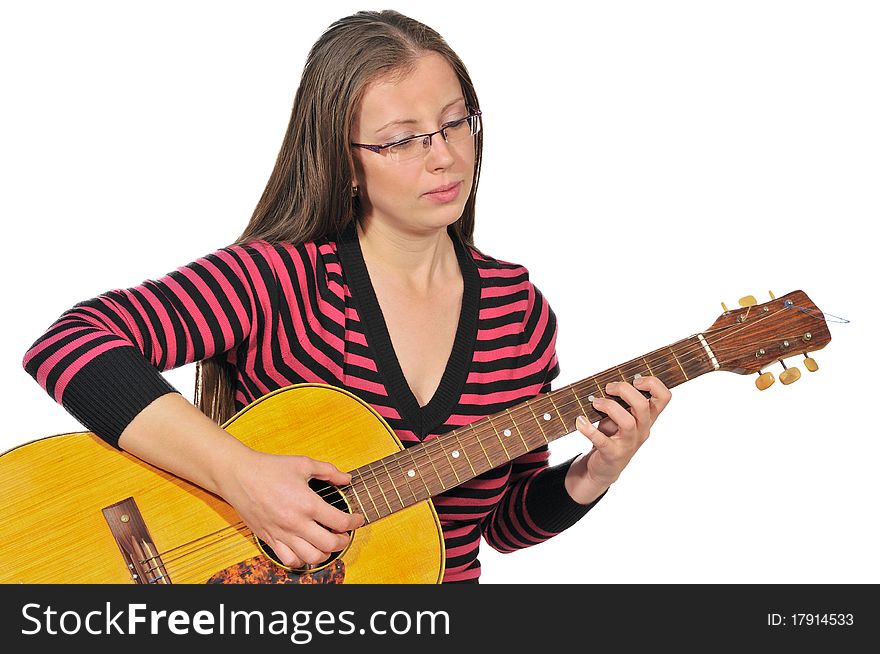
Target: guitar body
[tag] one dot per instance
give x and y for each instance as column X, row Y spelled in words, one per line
column 54, row 527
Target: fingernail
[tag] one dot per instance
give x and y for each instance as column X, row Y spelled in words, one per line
column 581, row 421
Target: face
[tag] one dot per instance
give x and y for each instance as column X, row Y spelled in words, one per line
column 394, row 192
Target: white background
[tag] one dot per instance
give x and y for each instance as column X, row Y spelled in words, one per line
column 646, row 161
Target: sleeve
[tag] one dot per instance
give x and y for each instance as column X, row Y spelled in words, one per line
column 102, row 359
column 535, row 506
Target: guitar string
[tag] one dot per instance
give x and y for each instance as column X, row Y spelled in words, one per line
column 400, row 466
column 170, row 561
column 477, row 437
column 473, row 435
column 206, row 551
column 203, row 554
column 697, row 348
column 171, row 567
column 214, row 546
column 413, row 456
column 323, row 494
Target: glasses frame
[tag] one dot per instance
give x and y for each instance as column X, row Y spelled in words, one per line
column 442, row 131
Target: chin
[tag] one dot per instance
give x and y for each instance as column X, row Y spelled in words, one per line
column 449, row 217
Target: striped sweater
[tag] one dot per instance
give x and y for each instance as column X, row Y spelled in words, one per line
column 286, row 314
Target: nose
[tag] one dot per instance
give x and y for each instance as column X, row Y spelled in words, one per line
column 440, row 155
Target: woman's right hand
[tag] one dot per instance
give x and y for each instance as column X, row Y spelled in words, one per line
column 272, row 495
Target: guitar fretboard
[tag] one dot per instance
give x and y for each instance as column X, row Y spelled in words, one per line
column 430, row 468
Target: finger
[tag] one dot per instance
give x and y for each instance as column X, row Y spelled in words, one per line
column 308, row 553
column 328, row 472
column 639, row 405
column 608, row 427
column 622, row 417
column 284, row 554
column 336, row 519
column 325, row 540
column 660, row 395
column 599, row 440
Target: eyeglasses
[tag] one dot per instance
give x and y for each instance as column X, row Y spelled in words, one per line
column 415, row 147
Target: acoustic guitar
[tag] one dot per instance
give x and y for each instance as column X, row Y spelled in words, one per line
column 76, row 510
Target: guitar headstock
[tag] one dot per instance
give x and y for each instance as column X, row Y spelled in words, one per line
column 755, row 336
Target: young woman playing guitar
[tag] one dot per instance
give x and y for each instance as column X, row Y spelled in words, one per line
column 357, row 270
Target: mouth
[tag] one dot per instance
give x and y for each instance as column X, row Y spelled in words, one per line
column 443, row 189
column 444, row 194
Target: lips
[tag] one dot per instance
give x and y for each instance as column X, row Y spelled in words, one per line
column 445, row 187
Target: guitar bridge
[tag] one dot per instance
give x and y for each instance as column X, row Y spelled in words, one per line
column 138, row 551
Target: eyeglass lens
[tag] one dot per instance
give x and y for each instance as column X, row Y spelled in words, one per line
column 417, row 147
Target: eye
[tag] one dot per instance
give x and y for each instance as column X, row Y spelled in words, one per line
column 460, row 125
column 402, row 146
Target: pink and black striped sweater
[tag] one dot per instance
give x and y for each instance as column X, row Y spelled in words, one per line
column 286, row 314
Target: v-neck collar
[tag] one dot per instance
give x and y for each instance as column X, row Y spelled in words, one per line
column 426, row 419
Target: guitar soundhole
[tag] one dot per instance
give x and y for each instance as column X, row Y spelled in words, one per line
column 332, row 496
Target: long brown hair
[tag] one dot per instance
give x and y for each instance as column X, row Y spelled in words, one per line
column 308, row 195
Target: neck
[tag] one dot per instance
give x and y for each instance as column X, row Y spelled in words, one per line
column 420, row 261
column 434, row 466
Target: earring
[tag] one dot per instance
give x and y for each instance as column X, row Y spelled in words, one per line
column 354, row 191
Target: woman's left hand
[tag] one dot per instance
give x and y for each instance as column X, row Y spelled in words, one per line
column 618, row 436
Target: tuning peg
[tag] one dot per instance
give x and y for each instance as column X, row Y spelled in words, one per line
column 748, row 301
column 810, row 363
column 765, row 381
column 790, row 375
column 724, row 306
column 772, row 297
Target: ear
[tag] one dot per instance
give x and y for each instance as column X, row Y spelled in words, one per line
column 356, row 170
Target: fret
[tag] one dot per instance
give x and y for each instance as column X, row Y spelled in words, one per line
column 577, row 397
column 464, row 452
column 679, row 364
column 501, row 437
column 529, row 404
column 418, row 473
column 548, row 415
column 431, row 461
column 393, row 485
column 412, row 473
column 370, row 495
column 622, row 376
column 500, row 440
column 556, row 409
column 352, row 488
column 382, row 490
column 479, row 440
column 651, row 372
column 451, row 464
column 525, row 445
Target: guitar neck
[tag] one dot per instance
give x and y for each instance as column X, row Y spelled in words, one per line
column 430, row 468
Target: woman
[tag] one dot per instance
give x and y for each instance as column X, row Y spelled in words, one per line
column 357, row 270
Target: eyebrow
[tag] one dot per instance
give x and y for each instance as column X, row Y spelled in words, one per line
column 411, row 121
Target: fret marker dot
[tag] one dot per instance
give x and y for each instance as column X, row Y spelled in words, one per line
column 455, row 454
column 411, row 473
column 507, row 432
column 591, row 399
column 546, row 416
column 637, row 376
